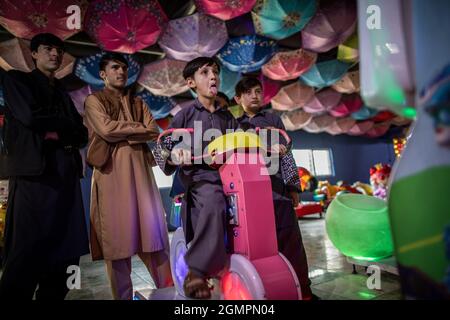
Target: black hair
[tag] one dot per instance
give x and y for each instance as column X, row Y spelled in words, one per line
column 47, row 39
column 193, row 65
column 224, row 97
column 111, row 56
column 245, row 84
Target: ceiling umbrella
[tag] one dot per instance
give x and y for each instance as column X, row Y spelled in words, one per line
column 324, row 74
column 164, row 77
column 241, row 26
column 247, row 53
column 124, row 26
column 228, row 81
column 15, row 54
column 237, row 111
column 289, row 64
column 278, row 19
column 87, row 69
column 270, row 88
column 349, row 83
column 340, row 125
column 319, row 123
column 294, row 120
column 349, row 50
column 323, row 100
column 291, row 97
column 163, row 123
column 197, row 35
column 160, row 106
column 400, row 121
column 383, row 116
column 378, row 130
column 349, row 103
column 79, row 96
column 334, row 22
column 360, row 128
column 224, row 9
column 25, row 19
column 364, row 113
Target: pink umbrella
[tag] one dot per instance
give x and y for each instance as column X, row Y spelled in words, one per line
column 349, row 83
column 224, row 9
column 360, row 128
column 15, row 54
column 294, row 120
column 124, row 26
column 25, row 19
column 270, row 88
column 341, row 125
column 349, row 103
column 289, row 64
column 378, row 130
column 79, row 96
column 193, row 36
column 334, row 22
column 383, row 116
column 164, row 77
column 292, row 96
column 322, row 101
column 319, row 123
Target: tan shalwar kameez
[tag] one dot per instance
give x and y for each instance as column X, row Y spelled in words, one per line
column 127, row 215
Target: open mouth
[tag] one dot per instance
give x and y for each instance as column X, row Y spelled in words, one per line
column 213, row 88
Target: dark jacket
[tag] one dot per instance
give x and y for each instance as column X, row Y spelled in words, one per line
column 33, row 107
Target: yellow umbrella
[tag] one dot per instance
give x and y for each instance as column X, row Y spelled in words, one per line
column 348, row 51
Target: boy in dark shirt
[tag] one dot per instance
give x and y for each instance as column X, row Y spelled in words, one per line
column 285, row 183
column 204, row 203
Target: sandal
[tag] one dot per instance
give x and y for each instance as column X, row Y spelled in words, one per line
column 196, row 287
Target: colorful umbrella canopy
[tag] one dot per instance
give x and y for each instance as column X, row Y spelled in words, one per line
column 160, row 107
column 292, row 96
column 349, row 83
column 79, row 96
column 364, row 113
column 25, row 19
column 340, row 126
column 324, row 74
column 349, row 103
column 224, row 9
column 378, row 130
column 228, row 80
column 87, row 69
column 247, row 53
column 319, row 123
column 163, row 123
column 278, row 19
column 289, row 64
column 164, row 77
column 360, row 128
column 193, row 36
column 241, row 26
column 400, row 121
column 383, row 116
column 294, row 120
column 322, row 101
column 349, row 50
column 334, row 22
column 124, row 26
column 15, row 54
column 270, row 88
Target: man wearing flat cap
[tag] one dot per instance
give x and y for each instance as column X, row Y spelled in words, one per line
column 43, row 132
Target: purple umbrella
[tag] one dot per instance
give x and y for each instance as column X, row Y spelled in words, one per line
column 193, row 36
column 323, row 101
column 78, row 97
column 334, row 22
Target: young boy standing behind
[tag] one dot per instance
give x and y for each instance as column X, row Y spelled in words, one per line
column 204, row 203
column 285, row 193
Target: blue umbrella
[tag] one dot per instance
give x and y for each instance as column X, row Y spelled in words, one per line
column 364, row 113
column 247, row 53
column 324, row 74
column 279, row 19
column 228, row 80
column 87, row 69
column 159, row 106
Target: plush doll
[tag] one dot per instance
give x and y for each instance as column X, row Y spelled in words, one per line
column 379, row 176
column 363, row 188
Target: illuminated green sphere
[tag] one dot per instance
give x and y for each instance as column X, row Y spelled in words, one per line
column 358, row 226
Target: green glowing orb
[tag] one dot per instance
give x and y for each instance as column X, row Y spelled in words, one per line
column 358, row 226
column 409, row 112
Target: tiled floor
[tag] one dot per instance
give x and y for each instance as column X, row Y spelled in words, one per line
column 330, row 273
